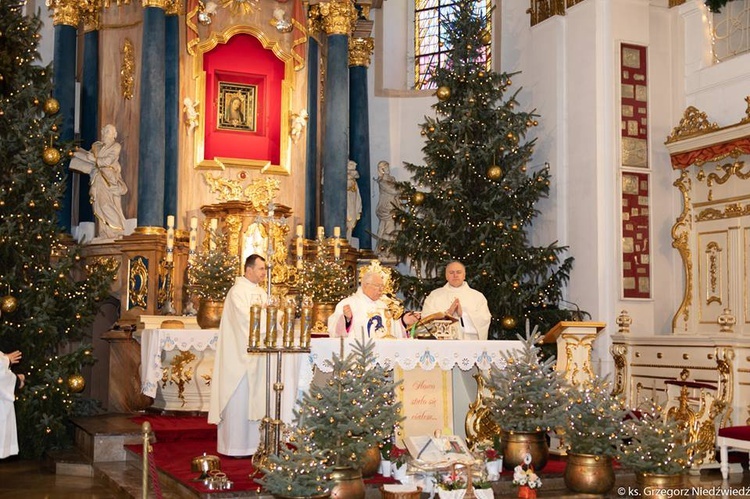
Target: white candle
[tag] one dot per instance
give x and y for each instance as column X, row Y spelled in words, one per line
column 300, row 242
column 212, row 235
column 337, row 231
column 170, row 238
column 214, row 223
column 321, row 232
column 299, row 230
column 170, row 221
column 337, row 248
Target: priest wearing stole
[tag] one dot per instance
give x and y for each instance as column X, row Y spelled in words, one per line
column 458, row 300
column 238, row 379
column 368, row 310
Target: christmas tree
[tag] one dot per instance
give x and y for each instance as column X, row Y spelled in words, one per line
column 355, row 410
column 213, row 272
column 474, row 200
column 50, row 296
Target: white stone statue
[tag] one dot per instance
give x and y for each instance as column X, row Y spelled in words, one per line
column 299, row 121
column 106, row 185
column 386, row 200
column 353, row 198
column 282, row 24
column 190, row 109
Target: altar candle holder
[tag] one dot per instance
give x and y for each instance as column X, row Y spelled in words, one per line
column 305, row 323
column 272, row 312
column 300, row 248
column 287, row 324
column 193, row 242
column 255, row 325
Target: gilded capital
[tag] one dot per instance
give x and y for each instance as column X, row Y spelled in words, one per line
column 91, row 14
column 338, row 17
column 173, row 7
column 159, row 4
column 65, row 12
column 360, row 51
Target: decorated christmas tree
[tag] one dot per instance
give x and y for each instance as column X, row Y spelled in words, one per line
column 213, row 272
column 50, row 296
column 474, row 199
column 355, row 410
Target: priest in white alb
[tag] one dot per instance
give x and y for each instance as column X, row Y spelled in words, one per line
column 458, row 300
column 8, row 383
column 367, row 311
column 238, row 380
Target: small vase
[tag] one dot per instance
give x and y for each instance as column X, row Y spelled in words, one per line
column 209, row 314
column 385, row 468
column 493, row 469
column 484, row 493
column 526, row 492
column 398, row 472
column 451, row 494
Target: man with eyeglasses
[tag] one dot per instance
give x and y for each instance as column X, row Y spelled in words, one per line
column 364, row 311
column 458, row 300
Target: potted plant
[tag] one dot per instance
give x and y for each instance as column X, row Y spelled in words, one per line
column 297, row 472
column 593, row 433
column 528, row 399
column 492, row 454
column 453, row 485
column 211, row 275
column 656, row 451
column 398, row 458
column 354, row 411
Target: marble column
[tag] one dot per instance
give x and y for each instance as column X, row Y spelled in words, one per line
column 89, row 117
column 172, row 109
column 337, row 22
column 360, row 51
column 66, row 19
column 151, row 153
column 312, row 194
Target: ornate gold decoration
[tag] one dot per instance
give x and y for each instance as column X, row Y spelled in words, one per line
column 127, row 69
column 260, row 193
column 159, row 4
column 173, row 7
column 726, row 321
column 619, row 353
column 90, row 12
column 681, row 242
column 730, row 211
column 109, row 264
column 338, row 17
column 624, row 321
column 713, row 291
column 360, row 51
column 746, row 119
column 119, row 3
column 479, row 424
column 376, row 268
column 693, row 122
column 66, row 12
column 199, row 75
column 541, row 10
column 734, row 168
column 138, row 282
column 179, row 373
column 233, row 224
column 575, row 374
column 240, row 7
column 314, row 19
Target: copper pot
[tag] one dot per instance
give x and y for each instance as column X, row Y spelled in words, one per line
column 370, row 461
column 589, row 474
column 205, row 464
column 348, row 484
column 209, row 313
column 658, row 485
column 515, row 444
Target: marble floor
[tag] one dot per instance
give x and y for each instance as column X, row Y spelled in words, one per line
column 22, row 479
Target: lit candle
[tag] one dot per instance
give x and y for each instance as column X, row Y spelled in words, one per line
column 321, row 233
column 193, row 238
column 170, row 238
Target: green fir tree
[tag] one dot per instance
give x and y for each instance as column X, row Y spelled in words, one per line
column 595, row 419
column 50, row 296
column 213, row 272
column 474, row 199
column 528, row 394
column 355, row 410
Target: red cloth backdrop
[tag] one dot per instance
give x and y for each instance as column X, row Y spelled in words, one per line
column 243, row 60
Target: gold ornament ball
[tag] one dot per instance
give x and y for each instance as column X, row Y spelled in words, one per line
column 443, row 93
column 51, row 106
column 417, row 198
column 509, row 322
column 76, row 383
column 494, row 172
column 51, row 156
column 486, row 37
column 9, row 304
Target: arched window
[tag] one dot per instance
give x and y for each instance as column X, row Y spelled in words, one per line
column 430, row 47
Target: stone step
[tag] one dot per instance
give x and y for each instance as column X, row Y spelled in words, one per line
column 102, row 438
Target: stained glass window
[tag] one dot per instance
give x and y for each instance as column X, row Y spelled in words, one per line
column 430, row 39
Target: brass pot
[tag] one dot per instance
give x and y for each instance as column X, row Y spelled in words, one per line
column 589, row 474
column 515, row 444
column 321, row 312
column 209, row 313
column 658, row 485
column 319, row 496
column 204, row 464
column 347, row 484
column 370, row 462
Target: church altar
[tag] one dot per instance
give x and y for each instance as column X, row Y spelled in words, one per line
column 176, row 366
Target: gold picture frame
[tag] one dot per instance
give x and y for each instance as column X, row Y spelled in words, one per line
column 201, row 162
column 238, row 105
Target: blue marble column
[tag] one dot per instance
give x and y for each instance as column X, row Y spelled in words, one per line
column 65, row 92
column 89, row 124
column 312, row 201
column 172, row 117
column 360, row 50
column 151, row 154
column 338, row 19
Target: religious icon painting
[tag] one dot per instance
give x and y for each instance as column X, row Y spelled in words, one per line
column 237, row 107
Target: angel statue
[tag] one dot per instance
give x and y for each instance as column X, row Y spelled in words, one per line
column 190, row 109
column 299, row 121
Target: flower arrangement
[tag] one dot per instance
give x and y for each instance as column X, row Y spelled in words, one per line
column 398, row 456
column 526, row 478
column 453, row 485
column 325, row 280
column 213, row 271
column 492, row 451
